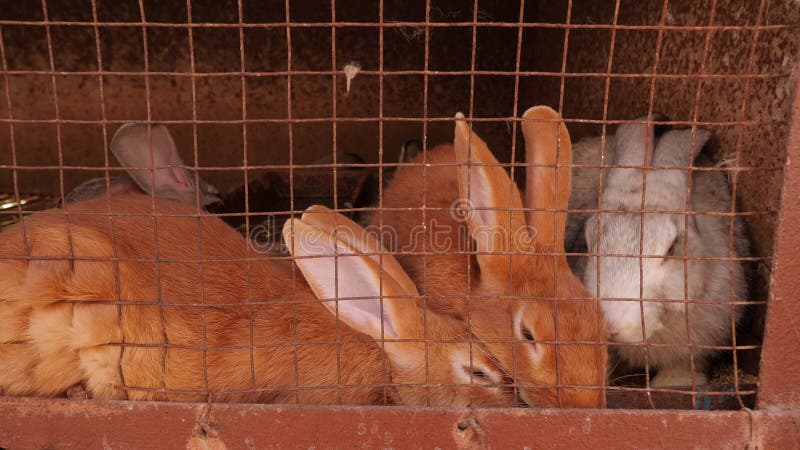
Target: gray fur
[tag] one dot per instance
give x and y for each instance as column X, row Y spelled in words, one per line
column 170, row 179
column 710, row 323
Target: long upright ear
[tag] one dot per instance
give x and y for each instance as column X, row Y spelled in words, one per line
column 548, row 155
column 349, row 232
column 367, row 299
column 151, row 158
column 635, row 143
column 678, row 148
column 495, row 219
column 634, row 147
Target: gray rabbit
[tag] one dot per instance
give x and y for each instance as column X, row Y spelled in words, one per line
column 170, row 179
column 667, row 235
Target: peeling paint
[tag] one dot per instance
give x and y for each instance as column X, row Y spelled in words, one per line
column 37, row 423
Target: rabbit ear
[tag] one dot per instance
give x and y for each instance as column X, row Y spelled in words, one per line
column 349, row 232
column 151, row 158
column 547, row 144
column 495, row 218
column 635, row 142
column 365, row 294
column 677, row 148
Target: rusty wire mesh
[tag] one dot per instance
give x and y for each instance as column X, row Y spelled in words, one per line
column 258, row 91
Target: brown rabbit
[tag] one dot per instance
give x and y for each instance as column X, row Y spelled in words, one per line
column 529, row 309
column 120, row 302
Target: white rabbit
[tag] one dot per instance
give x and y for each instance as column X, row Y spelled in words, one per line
column 592, row 153
column 651, row 288
column 131, row 145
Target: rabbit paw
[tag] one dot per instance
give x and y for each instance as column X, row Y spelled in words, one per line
column 78, row 392
column 677, row 376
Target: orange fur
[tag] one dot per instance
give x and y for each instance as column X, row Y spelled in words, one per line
column 121, row 304
column 545, row 296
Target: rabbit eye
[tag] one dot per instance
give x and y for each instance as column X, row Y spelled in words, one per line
column 673, row 249
column 479, row 374
column 526, row 333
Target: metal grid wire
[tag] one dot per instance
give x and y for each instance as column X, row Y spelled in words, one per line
column 125, row 40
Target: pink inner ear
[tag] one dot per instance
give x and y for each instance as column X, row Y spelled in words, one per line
column 365, row 315
column 333, row 270
column 482, row 197
column 354, row 280
column 180, row 178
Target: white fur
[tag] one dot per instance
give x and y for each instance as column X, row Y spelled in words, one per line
column 636, row 289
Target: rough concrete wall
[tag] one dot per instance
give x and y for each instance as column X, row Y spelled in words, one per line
column 219, row 98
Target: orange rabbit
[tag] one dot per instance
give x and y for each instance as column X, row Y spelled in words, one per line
column 90, row 304
column 535, row 317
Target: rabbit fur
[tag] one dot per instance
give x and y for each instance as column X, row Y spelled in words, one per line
column 667, row 238
column 118, row 300
column 150, row 157
column 519, row 303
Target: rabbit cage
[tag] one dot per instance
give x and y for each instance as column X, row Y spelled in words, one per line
column 284, row 104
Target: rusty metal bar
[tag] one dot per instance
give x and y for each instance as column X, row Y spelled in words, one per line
column 780, row 355
column 40, row 423
column 397, row 24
